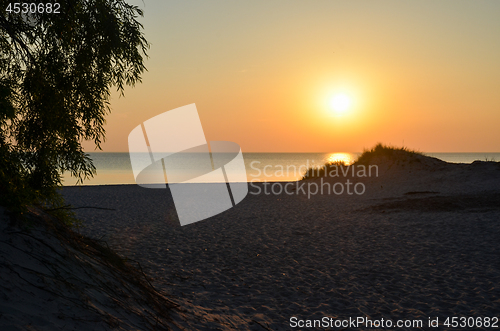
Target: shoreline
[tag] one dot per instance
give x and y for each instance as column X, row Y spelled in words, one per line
column 123, row 174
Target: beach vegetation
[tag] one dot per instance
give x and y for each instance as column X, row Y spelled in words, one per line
column 341, row 169
column 329, row 168
column 366, row 163
column 56, row 72
column 388, row 152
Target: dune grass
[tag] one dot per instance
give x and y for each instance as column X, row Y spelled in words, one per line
column 316, row 172
column 378, row 151
column 390, row 152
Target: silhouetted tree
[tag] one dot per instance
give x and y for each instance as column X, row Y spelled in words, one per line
column 56, row 71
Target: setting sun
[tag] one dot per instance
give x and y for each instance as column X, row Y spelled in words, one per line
column 340, row 104
column 346, row 158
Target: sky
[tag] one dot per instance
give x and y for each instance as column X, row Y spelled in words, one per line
column 263, row 74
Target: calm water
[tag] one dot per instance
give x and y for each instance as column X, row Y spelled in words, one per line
column 115, row 168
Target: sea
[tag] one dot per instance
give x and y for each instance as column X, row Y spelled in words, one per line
column 115, row 168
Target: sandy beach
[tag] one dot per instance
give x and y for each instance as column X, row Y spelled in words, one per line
column 420, row 243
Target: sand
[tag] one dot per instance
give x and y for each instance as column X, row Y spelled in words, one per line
column 421, row 242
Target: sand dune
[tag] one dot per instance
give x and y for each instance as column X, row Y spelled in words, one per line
column 53, row 279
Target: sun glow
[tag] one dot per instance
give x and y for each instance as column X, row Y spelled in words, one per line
column 340, row 104
column 345, row 158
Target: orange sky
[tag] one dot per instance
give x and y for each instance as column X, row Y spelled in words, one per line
column 420, row 72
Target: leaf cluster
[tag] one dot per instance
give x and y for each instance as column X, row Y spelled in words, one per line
column 56, row 71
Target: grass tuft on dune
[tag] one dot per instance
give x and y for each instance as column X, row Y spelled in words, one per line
column 370, row 156
column 380, row 151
